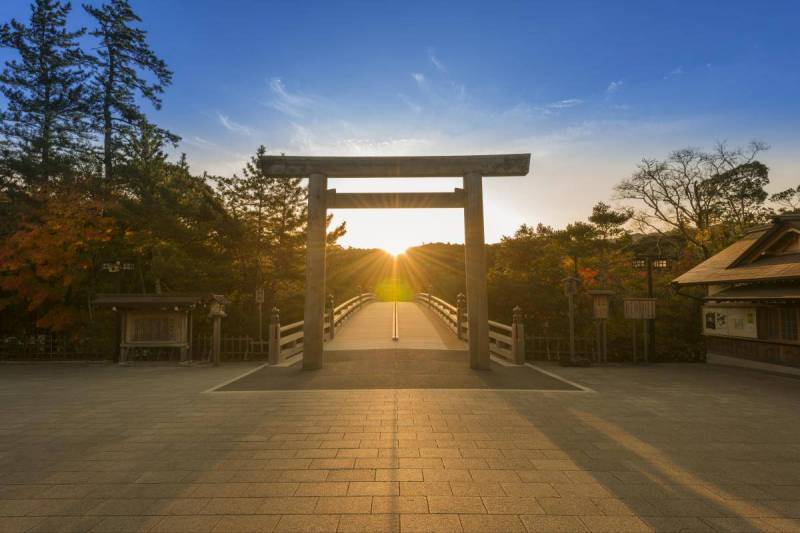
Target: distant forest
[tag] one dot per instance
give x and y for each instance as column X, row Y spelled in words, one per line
column 91, row 201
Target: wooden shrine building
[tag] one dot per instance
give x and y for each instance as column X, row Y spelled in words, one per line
column 751, row 308
column 160, row 322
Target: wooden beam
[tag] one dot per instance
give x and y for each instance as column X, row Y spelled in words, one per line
column 397, row 167
column 394, row 200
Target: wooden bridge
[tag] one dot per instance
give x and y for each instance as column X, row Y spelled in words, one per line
column 426, row 323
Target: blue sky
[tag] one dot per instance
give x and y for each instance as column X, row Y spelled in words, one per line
column 589, row 88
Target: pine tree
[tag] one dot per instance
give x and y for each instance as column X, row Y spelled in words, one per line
column 123, row 57
column 44, row 124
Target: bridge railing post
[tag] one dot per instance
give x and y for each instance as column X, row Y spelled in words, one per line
column 461, row 312
column 332, row 318
column 518, row 337
column 275, row 337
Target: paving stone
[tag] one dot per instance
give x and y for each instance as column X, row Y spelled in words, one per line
column 329, row 488
column 125, row 524
column 490, row 523
column 455, row 504
column 614, row 524
column 249, row 524
column 182, row 524
column 429, row 523
column 399, row 504
column 373, row 488
column 511, row 505
column 297, row 523
column 471, row 488
column 389, row 523
column 343, row 504
column 551, row 523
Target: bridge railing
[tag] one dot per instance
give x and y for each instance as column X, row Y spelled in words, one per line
column 506, row 341
column 287, row 340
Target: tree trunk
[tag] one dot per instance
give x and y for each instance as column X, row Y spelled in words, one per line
column 108, row 161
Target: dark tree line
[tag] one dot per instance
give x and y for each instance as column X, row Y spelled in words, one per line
column 90, row 200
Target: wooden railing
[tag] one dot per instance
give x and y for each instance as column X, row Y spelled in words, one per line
column 287, row 340
column 506, row 341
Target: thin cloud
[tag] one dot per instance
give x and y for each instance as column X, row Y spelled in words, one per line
column 230, row 125
column 674, row 73
column 614, row 87
column 412, row 105
column 292, row 104
column 436, row 61
column 564, row 104
column 419, row 78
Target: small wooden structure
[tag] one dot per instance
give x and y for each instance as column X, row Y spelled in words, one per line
column 601, row 304
column 472, row 169
column 751, row 309
column 643, row 309
column 148, row 321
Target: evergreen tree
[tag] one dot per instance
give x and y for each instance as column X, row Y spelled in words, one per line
column 44, row 124
column 123, row 57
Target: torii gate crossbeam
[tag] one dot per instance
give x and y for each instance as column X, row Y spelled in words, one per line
column 471, row 168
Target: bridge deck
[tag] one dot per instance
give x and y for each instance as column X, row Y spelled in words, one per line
column 371, row 328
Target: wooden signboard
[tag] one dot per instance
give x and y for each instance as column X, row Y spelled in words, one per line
column 640, row 308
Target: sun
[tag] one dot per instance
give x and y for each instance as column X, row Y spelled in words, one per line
column 394, row 249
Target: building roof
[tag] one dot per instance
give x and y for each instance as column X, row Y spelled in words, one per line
column 764, row 253
column 138, row 300
column 768, row 293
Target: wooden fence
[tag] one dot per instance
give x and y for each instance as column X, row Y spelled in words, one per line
column 505, row 340
column 49, row 347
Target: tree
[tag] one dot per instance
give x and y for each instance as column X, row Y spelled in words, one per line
column 272, row 211
column 578, row 240
column 123, row 56
column 46, row 265
column 742, row 195
column 44, row 124
column 788, row 201
column 693, row 191
column 609, row 222
column 609, row 230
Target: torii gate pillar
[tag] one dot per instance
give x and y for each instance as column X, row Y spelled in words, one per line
column 475, row 267
column 314, row 311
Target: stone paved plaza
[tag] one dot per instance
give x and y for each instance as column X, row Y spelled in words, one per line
column 145, row 448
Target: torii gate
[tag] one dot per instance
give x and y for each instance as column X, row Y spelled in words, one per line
column 472, row 169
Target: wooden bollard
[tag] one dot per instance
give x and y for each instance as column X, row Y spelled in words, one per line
column 275, row 337
column 331, row 319
column 461, row 313
column 518, row 337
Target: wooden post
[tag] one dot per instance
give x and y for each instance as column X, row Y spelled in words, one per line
column 518, row 337
column 191, row 334
column 314, row 311
column 475, row 259
column 646, row 338
column 461, row 312
column 216, row 339
column 331, row 318
column 275, row 337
